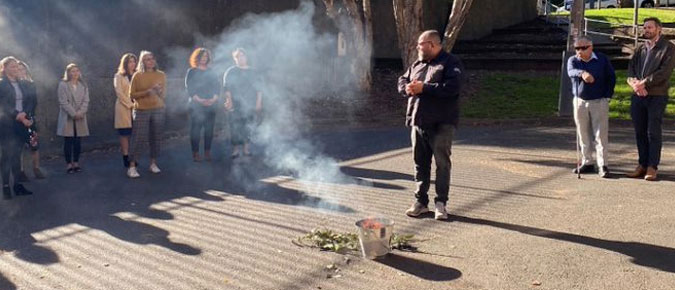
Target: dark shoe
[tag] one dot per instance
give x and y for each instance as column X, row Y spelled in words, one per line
column 70, row 170
column 584, row 169
column 77, row 169
column 6, row 192
column 23, row 177
column 639, row 172
column 20, row 190
column 651, row 174
column 125, row 161
column 604, row 172
column 38, row 173
column 234, row 155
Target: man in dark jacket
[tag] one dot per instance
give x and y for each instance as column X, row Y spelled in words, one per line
column 13, row 124
column 648, row 75
column 432, row 86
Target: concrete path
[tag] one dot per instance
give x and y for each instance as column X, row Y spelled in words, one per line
column 520, row 219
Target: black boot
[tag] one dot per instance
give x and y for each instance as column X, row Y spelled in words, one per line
column 125, row 160
column 6, row 193
column 20, row 190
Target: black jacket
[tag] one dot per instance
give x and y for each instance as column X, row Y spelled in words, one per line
column 8, row 123
column 439, row 101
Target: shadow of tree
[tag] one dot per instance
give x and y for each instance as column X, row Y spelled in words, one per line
column 244, row 178
column 5, row 284
column 652, row 256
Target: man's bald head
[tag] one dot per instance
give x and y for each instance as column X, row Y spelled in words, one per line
column 429, row 45
column 431, row 35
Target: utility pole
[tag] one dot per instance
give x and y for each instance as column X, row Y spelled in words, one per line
column 636, row 30
column 576, row 29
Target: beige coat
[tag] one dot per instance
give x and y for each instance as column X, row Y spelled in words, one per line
column 72, row 102
column 124, row 105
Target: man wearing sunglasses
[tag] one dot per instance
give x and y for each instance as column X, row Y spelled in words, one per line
column 593, row 81
column 432, row 85
column 649, row 73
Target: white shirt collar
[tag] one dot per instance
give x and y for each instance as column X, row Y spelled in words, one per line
column 651, row 44
column 593, row 56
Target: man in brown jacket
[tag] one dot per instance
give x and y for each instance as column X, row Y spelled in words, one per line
column 648, row 75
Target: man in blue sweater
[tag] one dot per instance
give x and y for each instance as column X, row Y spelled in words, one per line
column 593, row 81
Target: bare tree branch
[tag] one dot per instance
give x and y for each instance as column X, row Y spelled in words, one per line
column 460, row 9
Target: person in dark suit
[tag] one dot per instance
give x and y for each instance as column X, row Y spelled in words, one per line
column 13, row 124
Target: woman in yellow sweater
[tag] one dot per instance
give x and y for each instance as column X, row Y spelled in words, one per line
column 148, row 90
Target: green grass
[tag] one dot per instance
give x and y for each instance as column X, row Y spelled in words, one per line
column 625, row 15
column 512, row 95
column 523, row 95
column 619, row 106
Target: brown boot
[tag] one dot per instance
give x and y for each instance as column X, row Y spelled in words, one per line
column 651, row 174
column 638, row 173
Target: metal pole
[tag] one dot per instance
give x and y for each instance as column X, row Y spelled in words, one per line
column 635, row 21
column 576, row 133
column 576, row 28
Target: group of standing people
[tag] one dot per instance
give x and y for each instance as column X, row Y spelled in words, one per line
column 593, row 80
column 140, row 107
column 141, row 90
column 18, row 99
column 432, row 85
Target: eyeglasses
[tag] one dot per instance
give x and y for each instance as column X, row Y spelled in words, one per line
column 581, row 47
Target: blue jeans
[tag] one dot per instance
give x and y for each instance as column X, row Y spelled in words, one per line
column 647, row 114
column 434, row 143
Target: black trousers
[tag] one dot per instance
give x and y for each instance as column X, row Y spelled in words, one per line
column 647, row 114
column 72, row 147
column 433, row 143
column 11, row 157
column 201, row 118
column 241, row 127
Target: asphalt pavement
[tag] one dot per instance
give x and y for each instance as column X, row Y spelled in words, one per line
column 520, row 219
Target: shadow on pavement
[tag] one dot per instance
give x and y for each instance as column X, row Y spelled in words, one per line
column 375, row 174
column 652, row 256
column 421, row 269
column 6, row 284
column 141, row 233
column 246, row 179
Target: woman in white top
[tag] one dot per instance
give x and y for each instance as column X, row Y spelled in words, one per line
column 72, row 124
column 124, row 105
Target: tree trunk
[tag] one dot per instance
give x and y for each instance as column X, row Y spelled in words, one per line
column 657, row 3
column 409, row 25
column 357, row 26
column 460, row 9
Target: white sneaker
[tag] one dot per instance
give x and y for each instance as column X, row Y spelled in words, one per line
column 416, row 210
column 154, row 168
column 440, row 213
column 133, row 173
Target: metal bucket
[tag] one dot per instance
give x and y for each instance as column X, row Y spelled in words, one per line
column 375, row 236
